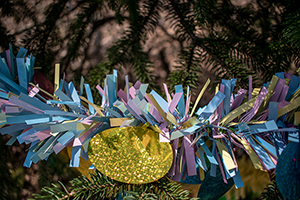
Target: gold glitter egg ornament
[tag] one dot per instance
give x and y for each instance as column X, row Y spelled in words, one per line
column 130, row 154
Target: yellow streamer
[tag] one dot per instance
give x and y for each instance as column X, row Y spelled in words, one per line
column 93, row 105
column 294, row 104
column 297, row 118
column 269, row 94
column 160, row 110
column 117, row 121
column 255, row 92
column 228, row 161
column 237, row 112
column 171, row 118
column 252, row 155
column 200, row 95
column 12, row 94
column 56, row 77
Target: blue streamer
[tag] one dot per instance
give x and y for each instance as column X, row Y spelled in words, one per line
column 181, row 104
column 211, row 107
column 90, row 97
column 293, row 86
column 75, row 156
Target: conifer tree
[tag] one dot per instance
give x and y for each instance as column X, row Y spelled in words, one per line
column 258, row 38
column 235, row 40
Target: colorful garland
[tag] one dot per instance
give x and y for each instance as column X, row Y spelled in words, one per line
column 138, row 137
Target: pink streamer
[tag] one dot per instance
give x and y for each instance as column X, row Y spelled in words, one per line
column 137, row 85
column 187, row 105
column 248, row 116
column 33, row 91
column 175, row 150
column 131, row 92
column 283, row 93
column 175, row 101
column 190, row 156
column 122, row 95
column 100, row 90
column 167, row 93
column 221, row 167
column 238, row 99
column 43, row 134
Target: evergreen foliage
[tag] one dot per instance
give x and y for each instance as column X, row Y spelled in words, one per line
column 98, row 186
column 291, row 32
column 234, row 40
column 9, row 183
column 272, row 191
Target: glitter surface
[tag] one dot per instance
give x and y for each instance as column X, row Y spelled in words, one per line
column 130, row 154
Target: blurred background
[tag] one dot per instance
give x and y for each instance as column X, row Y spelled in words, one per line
column 154, row 41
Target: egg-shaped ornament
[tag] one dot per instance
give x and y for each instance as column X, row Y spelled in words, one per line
column 130, row 154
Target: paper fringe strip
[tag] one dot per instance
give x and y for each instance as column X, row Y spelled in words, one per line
column 259, row 125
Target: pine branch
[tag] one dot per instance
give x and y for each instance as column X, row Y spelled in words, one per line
column 190, row 59
column 271, row 191
column 44, row 30
column 129, row 50
column 189, row 29
column 43, row 40
column 102, row 187
column 79, row 28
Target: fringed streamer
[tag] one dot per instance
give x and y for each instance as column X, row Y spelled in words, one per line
column 67, row 119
